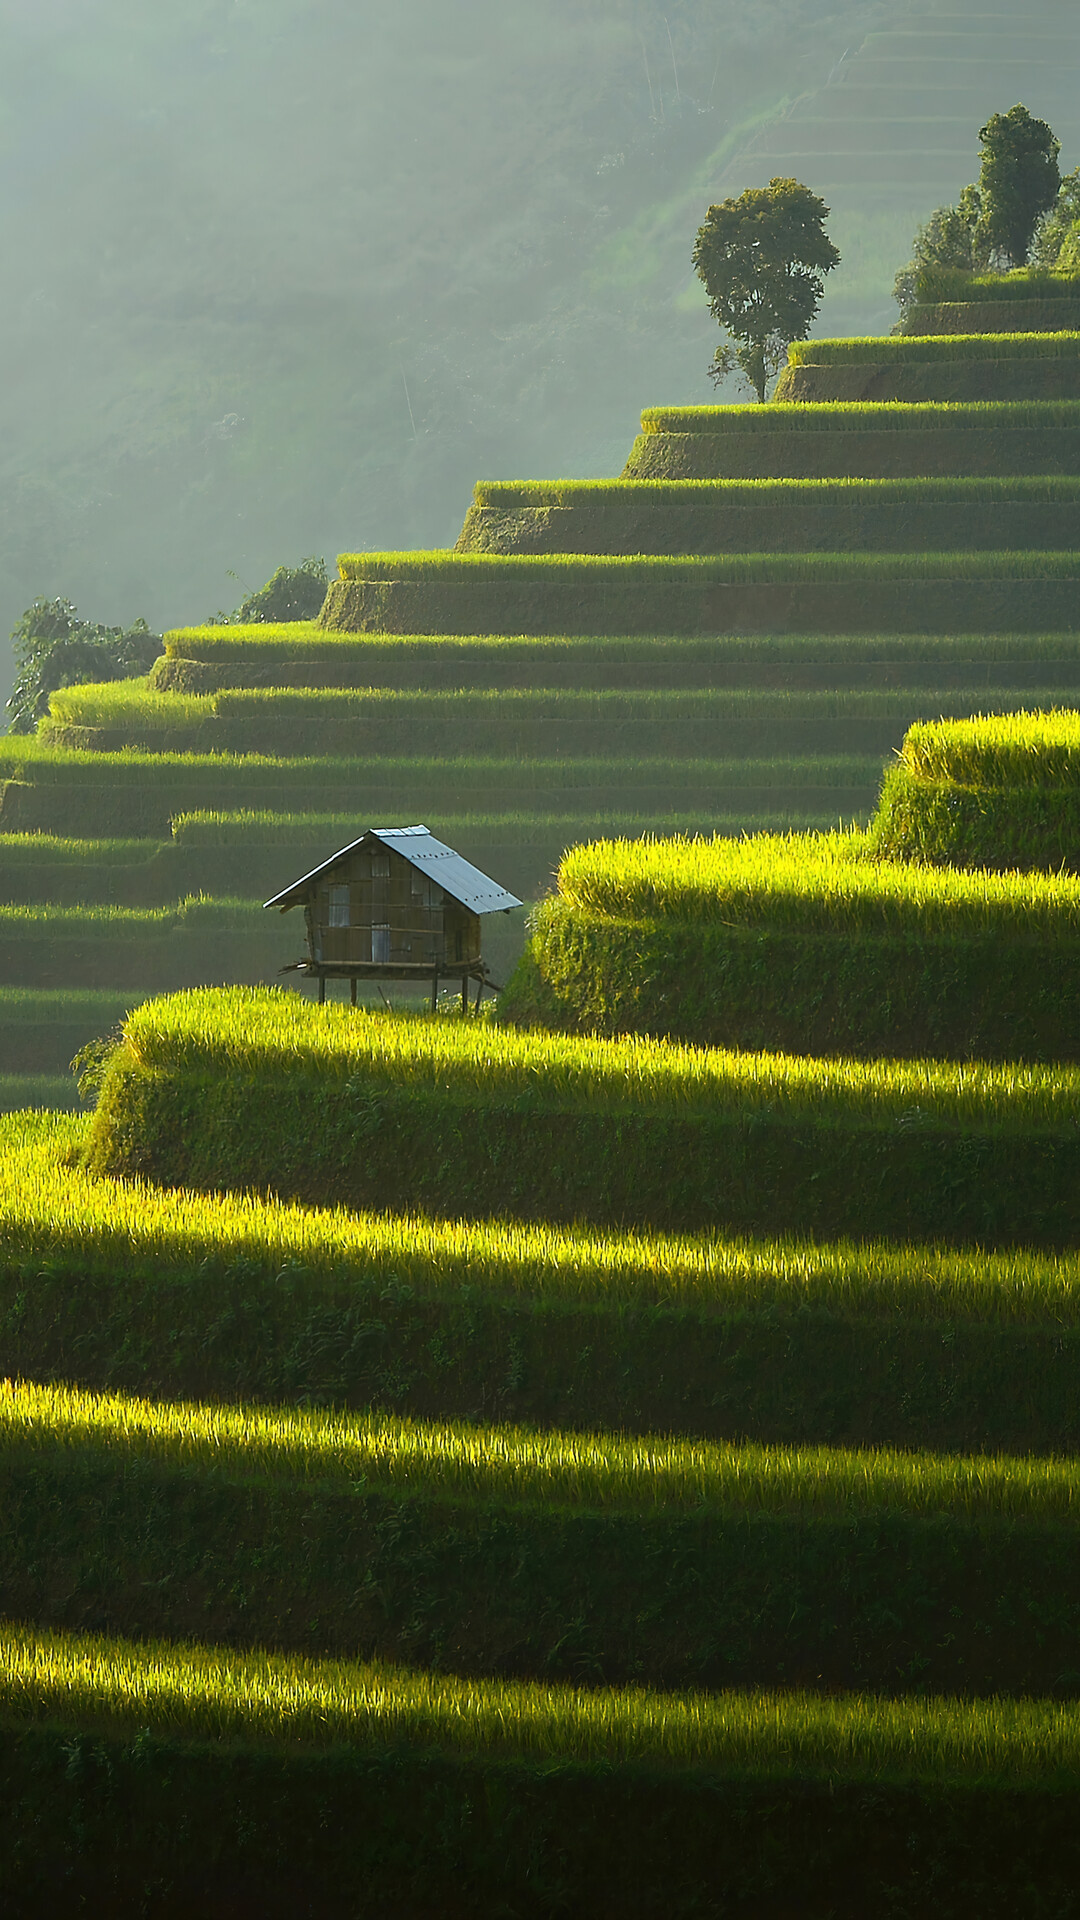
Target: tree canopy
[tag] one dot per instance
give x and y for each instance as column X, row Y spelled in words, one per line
column 762, row 258
column 1020, row 210
column 1018, row 182
column 54, row 647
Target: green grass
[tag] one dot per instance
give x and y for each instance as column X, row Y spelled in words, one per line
column 254, row 1032
column 256, row 827
column 1023, row 283
column 1003, row 750
column 24, row 852
column 724, row 494
column 24, row 1091
column 602, row 1472
column 199, row 1693
column 454, row 1117
column 55, row 1207
column 808, row 944
column 227, row 1296
column 862, row 416
column 900, row 349
column 677, row 569
column 822, row 883
column 487, row 660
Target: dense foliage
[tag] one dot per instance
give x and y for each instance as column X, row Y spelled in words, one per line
column 762, row 259
column 55, row 648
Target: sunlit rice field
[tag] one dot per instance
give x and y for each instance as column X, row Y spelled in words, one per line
column 193, row 1693
column 459, row 1462
column 825, row 882
column 259, row 1031
column 862, row 416
column 52, row 1210
column 997, row 750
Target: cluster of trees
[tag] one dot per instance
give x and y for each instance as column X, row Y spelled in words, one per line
column 55, row 647
column 1021, row 212
column 763, row 256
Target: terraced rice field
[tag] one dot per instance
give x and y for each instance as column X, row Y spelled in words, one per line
column 571, row 1461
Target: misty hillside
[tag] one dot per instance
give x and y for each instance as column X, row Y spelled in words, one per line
column 286, row 276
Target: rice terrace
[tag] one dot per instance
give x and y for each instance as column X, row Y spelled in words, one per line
column 540, row 1107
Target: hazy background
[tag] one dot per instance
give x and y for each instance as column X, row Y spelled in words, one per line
column 287, row 276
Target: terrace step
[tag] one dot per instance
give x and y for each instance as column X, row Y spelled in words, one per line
column 783, row 517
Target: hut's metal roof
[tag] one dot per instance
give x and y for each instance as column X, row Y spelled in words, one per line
column 463, row 882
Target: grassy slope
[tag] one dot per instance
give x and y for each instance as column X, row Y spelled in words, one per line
column 678, row 1136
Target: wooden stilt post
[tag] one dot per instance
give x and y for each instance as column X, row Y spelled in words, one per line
column 464, row 993
column 352, row 989
column 322, row 989
column 435, row 990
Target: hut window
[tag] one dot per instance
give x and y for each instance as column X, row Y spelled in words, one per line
column 339, row 906
column 459, row 947
column 380, row 866
column 380, row 946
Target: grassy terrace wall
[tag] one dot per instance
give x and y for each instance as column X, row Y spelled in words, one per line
column 777, row 516
column 255, row 1089
column 130, row 793
column 657, row 1550
column 205, row 660
column 309, row 1784
column 226, row 1297
column 848, row 438
column 965, row 367
column 808, row 945
column 1001, row 792
column 459, row 593
column 570, row 723
column 992, row 316
column 127, row 948
column 232, row 1296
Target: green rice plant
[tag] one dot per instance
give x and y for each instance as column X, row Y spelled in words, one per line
column 750, row 592
column 126, row 1761
column 860, row 987
column 725, row 494
column 674, row 569
column 198, row 910
column 1029, row 828
column 821, row 883
column 452, row 1116
column 54, row 1206
column 500, row 660
column 517, row 1466
column 862, row 416
column 262, row 827
column 227, row 1295
column 1002, row 750
column 25, row 851
column 254, row 1031
column 124, row 702
column 992, row 316
column 21, row 1092
column 1023, row 283
column 197, row 773
column 900, row 349
column 198, row 1693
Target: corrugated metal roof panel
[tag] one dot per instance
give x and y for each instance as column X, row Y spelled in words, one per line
column 462, row 881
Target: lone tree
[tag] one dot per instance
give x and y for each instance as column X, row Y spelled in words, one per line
column 762, row 258
column 1018, row 182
